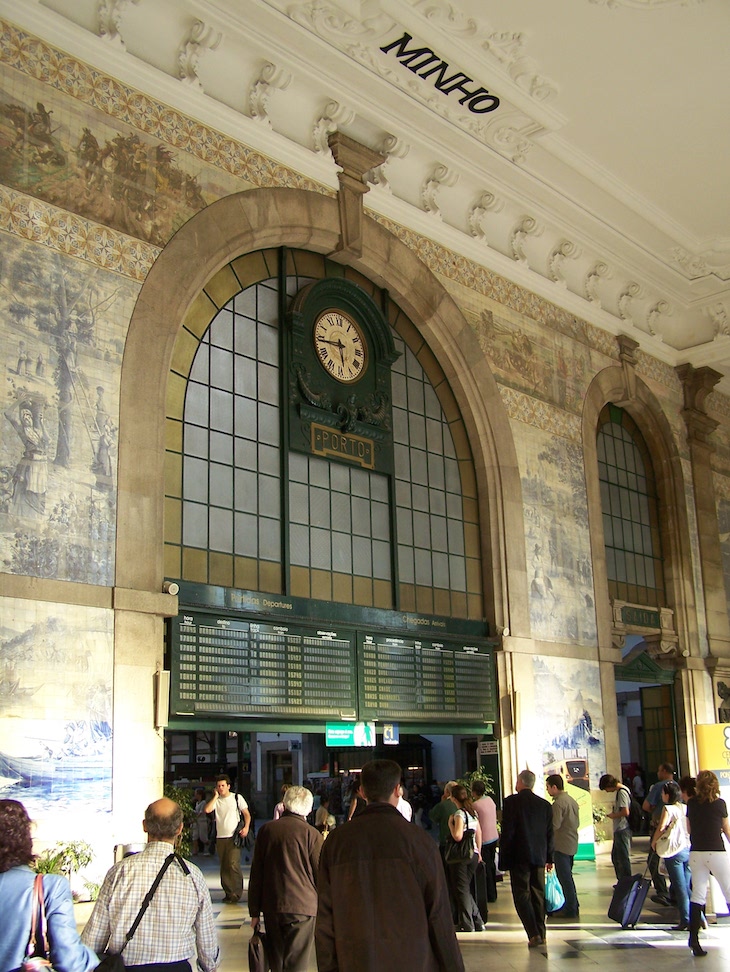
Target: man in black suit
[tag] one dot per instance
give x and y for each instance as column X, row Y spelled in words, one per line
column 526, row 849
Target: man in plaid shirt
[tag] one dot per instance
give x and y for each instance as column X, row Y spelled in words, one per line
column 179, row 919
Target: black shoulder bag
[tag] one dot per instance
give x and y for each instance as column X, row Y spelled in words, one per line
column 239, row 841
column 460, row 851
column 113, row 961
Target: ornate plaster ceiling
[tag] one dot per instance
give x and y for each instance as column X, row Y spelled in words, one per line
column 598, row 179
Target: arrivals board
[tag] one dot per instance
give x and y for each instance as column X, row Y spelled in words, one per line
column 434, row 680
column 223, row 666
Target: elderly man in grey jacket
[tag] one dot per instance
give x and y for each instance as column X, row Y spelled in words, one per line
column 283, row 883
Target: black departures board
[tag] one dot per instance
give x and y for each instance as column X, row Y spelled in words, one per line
column 435, row 681
column 227, row 667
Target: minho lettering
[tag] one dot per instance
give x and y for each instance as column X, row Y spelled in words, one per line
column 424, row 63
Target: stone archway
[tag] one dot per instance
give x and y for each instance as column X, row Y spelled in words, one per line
column 623, row 387
column 265, row 218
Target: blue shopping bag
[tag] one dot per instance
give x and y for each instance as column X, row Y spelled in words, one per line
column 554, row 897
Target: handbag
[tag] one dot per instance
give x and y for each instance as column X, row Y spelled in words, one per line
column 257, row 959
column 554, row 897
column 672, row 841
column 114, row 961
column 36, row 954
column 460, row 851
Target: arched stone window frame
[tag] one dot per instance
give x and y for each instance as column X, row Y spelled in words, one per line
column 620, row 385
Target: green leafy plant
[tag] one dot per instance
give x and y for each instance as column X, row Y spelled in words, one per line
column 184, row 799
column 479, row 774
column 65, row 858
column 92, row 889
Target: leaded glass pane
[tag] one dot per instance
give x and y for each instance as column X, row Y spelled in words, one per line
column 246, row 532
column 221, row 530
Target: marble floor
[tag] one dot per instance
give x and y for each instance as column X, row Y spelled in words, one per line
column 589, row 943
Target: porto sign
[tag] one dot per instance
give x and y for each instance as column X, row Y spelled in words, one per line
column 425, row 63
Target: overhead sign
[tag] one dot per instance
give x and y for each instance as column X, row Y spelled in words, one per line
column 488, row 748
column 350, row 734
column 391, row 734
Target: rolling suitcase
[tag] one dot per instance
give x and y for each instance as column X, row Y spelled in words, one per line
column 628, row 899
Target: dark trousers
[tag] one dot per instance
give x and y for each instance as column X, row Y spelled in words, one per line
column 462, row 902
column 564, row 870
column 230, row 859
column 489, row 856
column 528, row 894
column 621, row 853
column 289, row 941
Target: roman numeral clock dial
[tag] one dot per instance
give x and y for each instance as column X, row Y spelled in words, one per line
column 341, row 346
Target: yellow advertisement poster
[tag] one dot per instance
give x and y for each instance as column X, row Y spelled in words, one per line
column 713, row 753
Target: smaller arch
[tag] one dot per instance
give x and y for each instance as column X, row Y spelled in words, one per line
column 609, row 387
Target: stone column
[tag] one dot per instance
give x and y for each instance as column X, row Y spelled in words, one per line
column 697, row 384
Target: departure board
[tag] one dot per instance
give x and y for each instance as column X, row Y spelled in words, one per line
column 226, row 667
column 437, row 681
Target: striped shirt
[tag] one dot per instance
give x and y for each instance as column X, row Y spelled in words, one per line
column 178, row 921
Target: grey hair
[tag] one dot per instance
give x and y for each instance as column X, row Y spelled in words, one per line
column 527, row 778
column 298, row 799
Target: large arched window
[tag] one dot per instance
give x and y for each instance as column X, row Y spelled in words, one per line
column 245, row 511
column 630, row 511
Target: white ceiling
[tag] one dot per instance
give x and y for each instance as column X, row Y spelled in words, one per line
column 600, row 181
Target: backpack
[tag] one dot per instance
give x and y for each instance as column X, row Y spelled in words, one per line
column 636, row 815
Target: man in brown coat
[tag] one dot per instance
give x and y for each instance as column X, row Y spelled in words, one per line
column 382, row 889
column 283, row 883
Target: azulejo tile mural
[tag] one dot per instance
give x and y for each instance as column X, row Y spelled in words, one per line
column 88, row 143
column 558, row 553
column 62, row 330
column 55, row 707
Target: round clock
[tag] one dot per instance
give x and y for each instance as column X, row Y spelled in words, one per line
column 341, row 346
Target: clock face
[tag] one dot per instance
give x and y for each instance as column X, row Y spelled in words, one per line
column 341, row 346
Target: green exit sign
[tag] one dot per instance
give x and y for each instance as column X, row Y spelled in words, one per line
column 350, row 734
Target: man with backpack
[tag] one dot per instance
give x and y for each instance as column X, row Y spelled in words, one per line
column 621, row 850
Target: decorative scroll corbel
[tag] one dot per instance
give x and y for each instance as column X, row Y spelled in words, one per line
column 355, row 160
column 110, row 20
column 656, row 312
column 442, row 175
column 719, row 317
column 597, row 272
column 487, row 203
column 271, row 78
column 391, row 147
column 559, row 253
column 527, row 226
column 626, row 296
column 333, row 116
column 202, row 37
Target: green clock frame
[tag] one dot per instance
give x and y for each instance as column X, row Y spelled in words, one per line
column 346, row 418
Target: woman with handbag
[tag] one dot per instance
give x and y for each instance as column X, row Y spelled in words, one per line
column 54, row 913
column 671, row 843
column 462, row 860
column 707, row 821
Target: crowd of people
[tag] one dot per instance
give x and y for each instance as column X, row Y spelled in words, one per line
column 325, row 887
